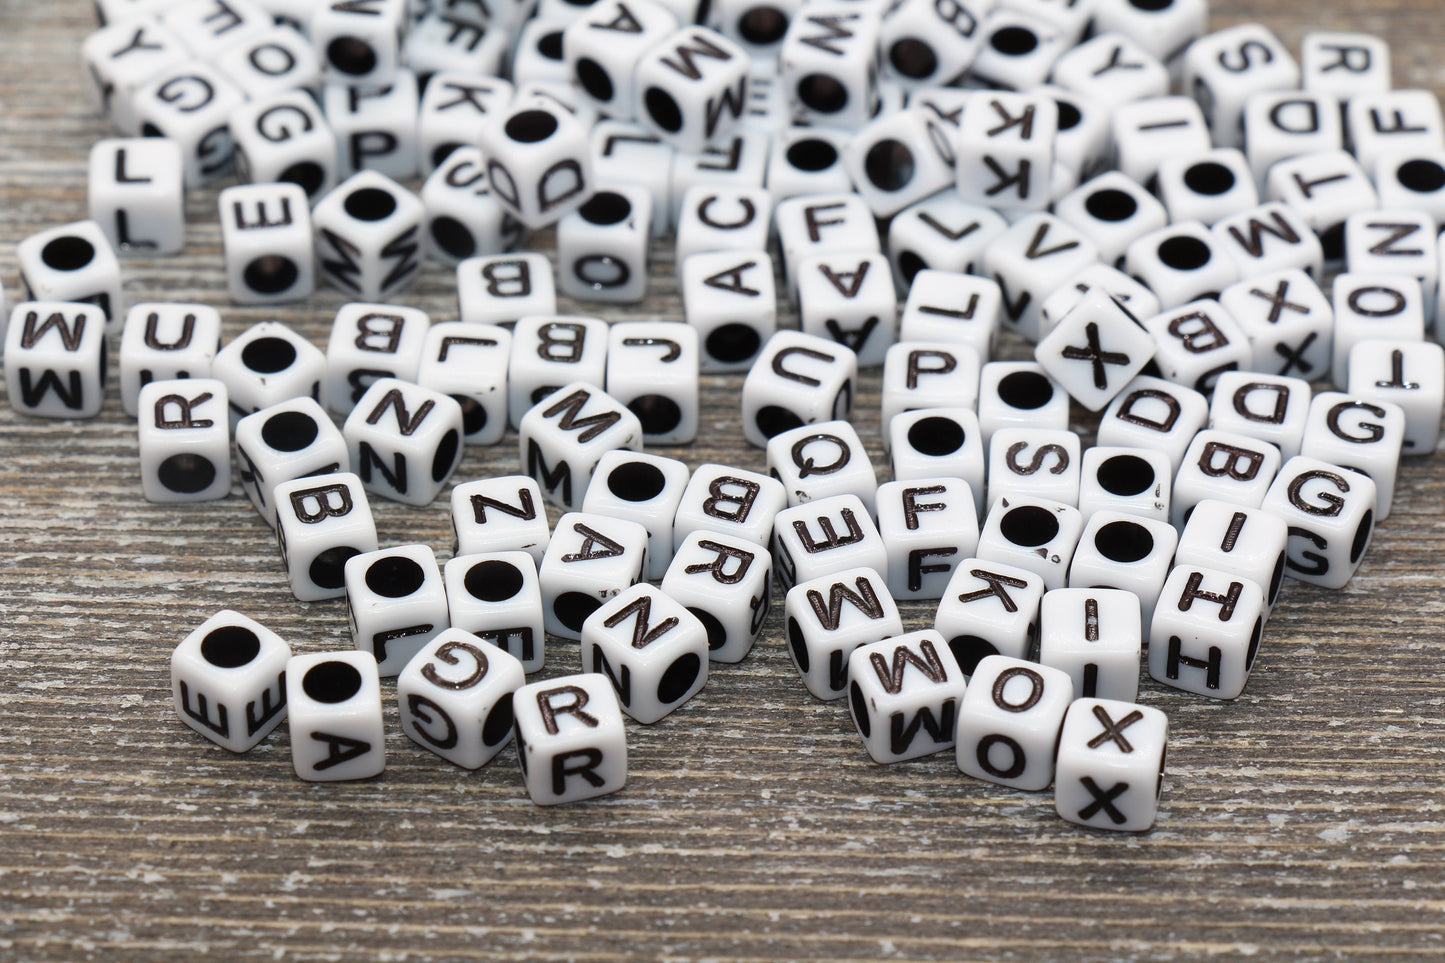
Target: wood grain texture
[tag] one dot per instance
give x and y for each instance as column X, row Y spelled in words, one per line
column 1304, row 821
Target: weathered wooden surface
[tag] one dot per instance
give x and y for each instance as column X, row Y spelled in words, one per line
column 1302, row 821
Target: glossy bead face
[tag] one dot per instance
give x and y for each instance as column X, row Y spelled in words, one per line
column 267, row 364
column 1095, row 349
column 396, row 603
column 321, row 523
column 946, row 306
column 371, row 341
column 377, row 132
column 1224, row 79
column 729, row 299
column 185, row 451
column 834, row 84
column 1224, row 465
column 1028, row 261
column 827, row 618
column 1009, row 722
column 652, row 368
column 989, row 609
column 798, row 379
column 334, row 713
column 640, row 488
column 55, row 359
column 899, row 159
column 501, row 288
column 563, row 436
column 929, row 526
column 456, row 698
column 602, row 246
column 590, row 559
column 1331, row 514
column 689, row 108
column 1095, row 635
column 828, row 535
column 136, row 194
column 497, row 597
column 651, row 648
column 817, row 461
column 1032, row 533
column 228, row 680
column 404, row 440
column 1206, row 631
column 367, row 236
column 904, row 695
column 849, row 298
column 549, row 351
column 284, row 442
column 73, row 263
column 726, row 581
column 1111, row 764
column 1124, row 551
column 602, row 46
column 571, row 742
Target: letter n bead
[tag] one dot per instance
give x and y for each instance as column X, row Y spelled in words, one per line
column 404, row 440
column 571, row 743
column 228, row 678
column 1111, row 764
column 652, row 649
column 334, row 704
column 455, row 697
column 904, row 695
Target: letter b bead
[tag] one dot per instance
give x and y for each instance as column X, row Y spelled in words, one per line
column 571, row 743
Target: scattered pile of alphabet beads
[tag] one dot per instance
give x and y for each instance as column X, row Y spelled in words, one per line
column 1164, row 253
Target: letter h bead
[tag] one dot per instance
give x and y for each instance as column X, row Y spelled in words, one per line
column 1206, row 631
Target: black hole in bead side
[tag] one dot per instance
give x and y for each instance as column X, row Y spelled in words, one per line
column 1123, row 541
column 351, row 55
column 493, row 580
column 1254, row 635
column 331, row 682
column 969, row 650
column 860, row 709
column 717, row 633
column 797, row 645
column 733, row 343
column 1027, row 390
column 822, row 93
column 539, row 393
column 594, row 79
column 442, row 151
column 1125, row 475
column 531, row 126
column 936, row 436
column 370, row 204
column 446, row 455
column 268, row 355
column 151, row 130
column 909, row 264
column 549, row 45
column 230, row 646
column 1014, row 41
column 1421, row 176
column 812, row 154
column 1276, row 579
column 913, row 58
column 394, row 576
column 474, row 414
column 774, row 420
column 1111, row 204
column 453, row 237
column 572, row 609
column 186, row 473
column 328, row 570
column 662, row 109
column 270, row 274
column 289, row 431
column 1184, row 253
column 499, row 722
column 762, row 25
column 1159, row 779
column 1069, row 115
column 1029, row 526
column 308, row 175
column 605, row 208
column 636, row 481
column 1151, row 6
column 1362, row 536
column 1332, row 241
column 1209, row 178
column 659, row 414
column 889, row 165
column 67, row 253
column 521, row 747
column 678, row 678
